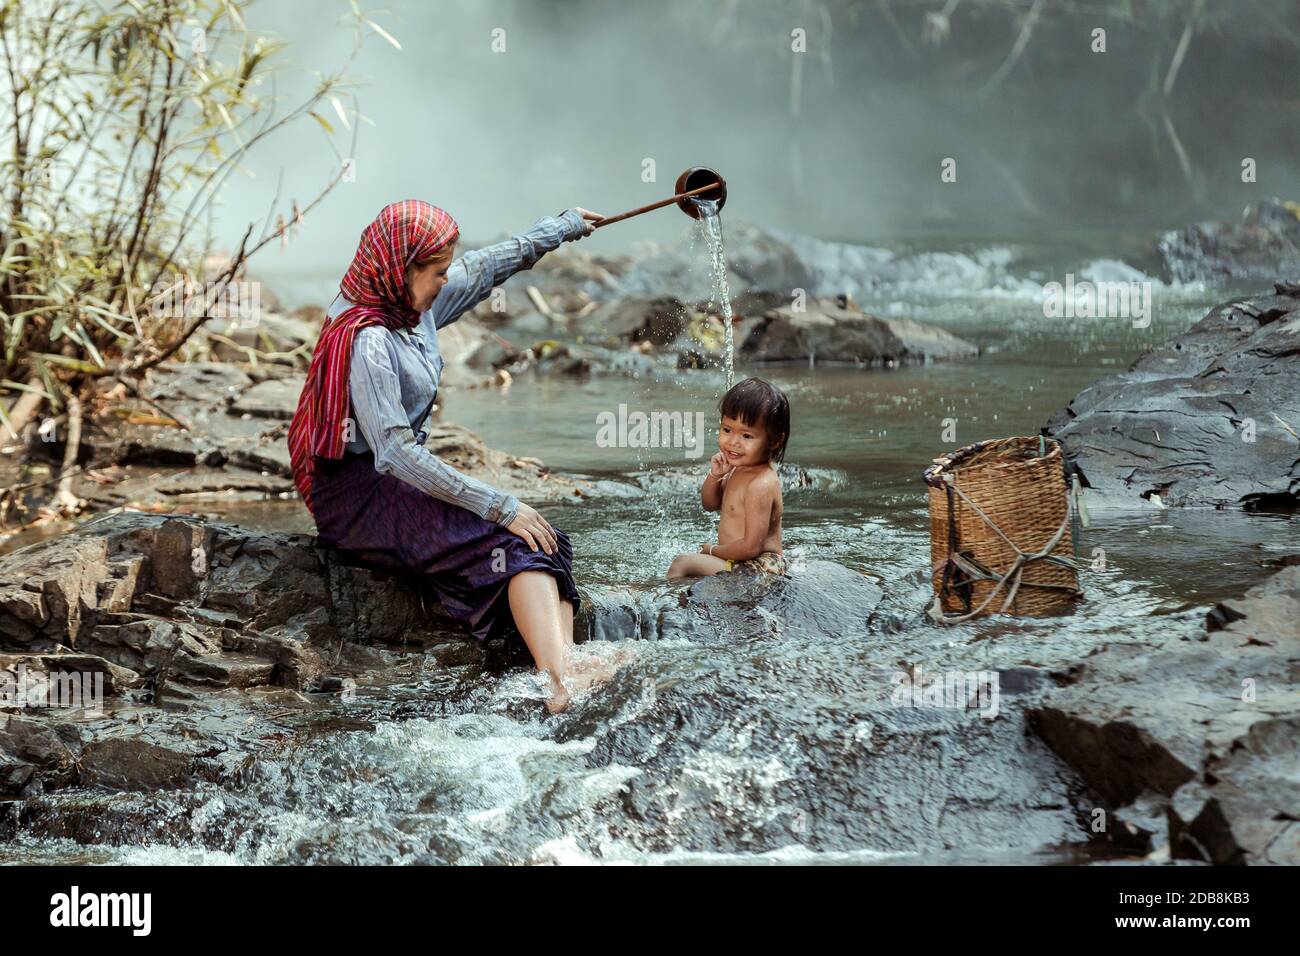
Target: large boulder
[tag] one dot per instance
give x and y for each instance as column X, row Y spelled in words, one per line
column 1209, row 418
column 839, row 332
column 179, row 598
column 161, row 611
column 632, row 320
column 1263, row 245
column 1202, row 730
column 273, row 337
column 817, row 599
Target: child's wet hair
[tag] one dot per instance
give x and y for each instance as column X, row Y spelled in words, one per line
column 758, row 402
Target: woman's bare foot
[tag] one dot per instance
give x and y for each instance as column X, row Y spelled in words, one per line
column 585, row 672
column 558, row 700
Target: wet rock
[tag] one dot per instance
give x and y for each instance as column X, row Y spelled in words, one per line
column 751, row 304
column 1210, row 725
column 111, row 678
column 224, row 670
column 552, row 358
column 1211, row 417
column 30, row 746
column 236, row 446
column 128, row 763
column 827, row 332
column 816, row 599
column 207, row 484
column 149, row 645
column 269, row 605
column 44, row 605
column 272, row 337
column 272, row 398
column 631, row 320
column 1263, row 245
column 169, row 609
column 853, row 770
column 1244, row 809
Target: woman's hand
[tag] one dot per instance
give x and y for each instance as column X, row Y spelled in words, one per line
column 591, row 217
column 534, row 529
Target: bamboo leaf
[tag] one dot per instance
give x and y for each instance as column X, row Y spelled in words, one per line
column 108, row 328
column 14, row 336
column 383, row 33
column 320, row 119
column 88, row 343
column 338, row 108
column 4, row 416
column 23, row 387
column 67, row 361
column 51, row 390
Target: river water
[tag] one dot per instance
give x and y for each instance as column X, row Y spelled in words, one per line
column 745, row 747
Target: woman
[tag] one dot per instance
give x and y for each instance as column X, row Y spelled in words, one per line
column 357, row 448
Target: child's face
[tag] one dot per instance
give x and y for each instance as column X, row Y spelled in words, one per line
column 742, row 444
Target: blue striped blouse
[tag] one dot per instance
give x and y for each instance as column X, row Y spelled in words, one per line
column 394, row 376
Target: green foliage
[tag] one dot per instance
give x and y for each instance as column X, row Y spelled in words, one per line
column 122, row 122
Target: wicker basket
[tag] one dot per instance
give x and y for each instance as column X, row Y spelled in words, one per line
column 1019, row 484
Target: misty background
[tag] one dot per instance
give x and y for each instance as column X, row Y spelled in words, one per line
column 844, row 141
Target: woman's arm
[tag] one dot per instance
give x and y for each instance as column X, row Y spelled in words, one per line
column 474, row 275
column 377, row 408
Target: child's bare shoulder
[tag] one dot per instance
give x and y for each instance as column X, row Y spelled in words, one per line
column 767, row 481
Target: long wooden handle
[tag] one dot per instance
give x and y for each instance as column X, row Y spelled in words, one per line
column 654, row 205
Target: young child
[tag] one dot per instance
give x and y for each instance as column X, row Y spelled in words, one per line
column 743, row 483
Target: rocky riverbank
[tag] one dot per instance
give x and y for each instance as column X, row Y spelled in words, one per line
column 1211, row 417
column 218, row 646
column 1191, row 744
column 1263, row 245
column 172, row 610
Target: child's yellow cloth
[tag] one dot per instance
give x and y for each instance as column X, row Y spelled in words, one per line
column 769, row 561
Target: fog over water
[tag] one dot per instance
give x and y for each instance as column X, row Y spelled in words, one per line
column 1055, row 141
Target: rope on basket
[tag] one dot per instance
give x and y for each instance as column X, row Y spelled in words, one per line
column 977, row 572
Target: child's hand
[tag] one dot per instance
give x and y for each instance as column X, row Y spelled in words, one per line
column 706, row 547
column 718, row 466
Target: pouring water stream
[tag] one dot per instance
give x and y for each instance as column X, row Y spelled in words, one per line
column 712, row 224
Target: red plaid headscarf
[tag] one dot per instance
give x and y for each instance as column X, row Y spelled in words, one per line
column 404, row 232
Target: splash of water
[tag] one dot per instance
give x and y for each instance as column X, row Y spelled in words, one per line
column 712, row 225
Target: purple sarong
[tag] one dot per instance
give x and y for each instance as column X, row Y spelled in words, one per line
column 467, row 560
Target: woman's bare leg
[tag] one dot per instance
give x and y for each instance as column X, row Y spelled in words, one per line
column 566, row 618
column 535, row 604
column 546, row 623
